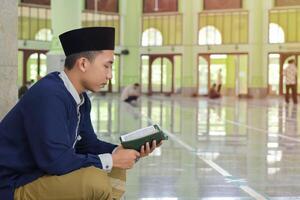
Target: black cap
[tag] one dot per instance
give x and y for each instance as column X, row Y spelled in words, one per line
column 88, row 39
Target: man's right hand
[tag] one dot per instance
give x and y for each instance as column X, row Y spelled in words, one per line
column 124, row 158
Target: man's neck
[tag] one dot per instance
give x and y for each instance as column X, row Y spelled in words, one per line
column 74, row 80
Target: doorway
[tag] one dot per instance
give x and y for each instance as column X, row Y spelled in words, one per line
column 277, row 62
column 161, row 74
column 233, row 69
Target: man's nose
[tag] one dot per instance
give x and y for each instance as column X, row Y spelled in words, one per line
column 109, row 74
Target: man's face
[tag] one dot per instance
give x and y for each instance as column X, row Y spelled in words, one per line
column 136, row 87
column 99, row 71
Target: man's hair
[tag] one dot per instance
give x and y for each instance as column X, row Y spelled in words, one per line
column 136, row 84
column 291, row 61
column 71, row 59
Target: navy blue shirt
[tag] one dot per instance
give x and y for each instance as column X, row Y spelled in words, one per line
column 38, row 134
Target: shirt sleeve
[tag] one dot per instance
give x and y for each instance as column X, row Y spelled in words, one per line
column 89, row 143
column 107, row 162
column 45, row 122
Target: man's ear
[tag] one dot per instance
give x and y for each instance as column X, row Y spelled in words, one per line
column 82, row 64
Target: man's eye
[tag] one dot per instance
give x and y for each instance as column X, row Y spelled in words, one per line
column 107, row 67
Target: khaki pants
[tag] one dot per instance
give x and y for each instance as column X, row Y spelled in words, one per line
column 88, row 183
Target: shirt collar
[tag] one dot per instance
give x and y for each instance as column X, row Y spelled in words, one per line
column 68, row 84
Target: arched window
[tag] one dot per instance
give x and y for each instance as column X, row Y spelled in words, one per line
column 43, row 66
column 36, row 66
column 32, row 67
column 152, row 37
column 209, row 35
column 44, row 35
column 276, row 33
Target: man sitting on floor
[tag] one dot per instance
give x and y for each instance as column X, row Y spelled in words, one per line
column 48, row 147
column 131, row 94
column 213, row 94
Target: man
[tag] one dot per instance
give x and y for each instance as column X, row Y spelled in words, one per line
column 48, row 148
column 22, row 90
column 131, row 93
column 213, row 94
column 290, row 74
column 219, row 81
column 30, row 83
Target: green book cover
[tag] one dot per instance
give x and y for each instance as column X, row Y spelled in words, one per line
column 136, row 139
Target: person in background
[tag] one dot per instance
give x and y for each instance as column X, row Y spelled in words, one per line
column 30, row 83
column 131, row 93
column 290, row 74
column 219, row 81
column 213, row 93
column 22, row 90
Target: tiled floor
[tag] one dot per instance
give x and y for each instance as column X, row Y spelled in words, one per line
column 217, row 149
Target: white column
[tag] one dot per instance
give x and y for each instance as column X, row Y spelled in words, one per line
column 257, row 72
column 190, row 10
column 8, row 55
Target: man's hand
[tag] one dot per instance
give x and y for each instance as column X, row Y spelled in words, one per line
column 124, row 158
column 145, row 149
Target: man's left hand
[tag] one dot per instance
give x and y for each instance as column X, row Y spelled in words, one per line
column 146, row 150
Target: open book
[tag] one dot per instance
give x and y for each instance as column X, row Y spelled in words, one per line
column 136, row 139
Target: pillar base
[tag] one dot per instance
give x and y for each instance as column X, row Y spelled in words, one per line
column 189, row 91
column 258, row 92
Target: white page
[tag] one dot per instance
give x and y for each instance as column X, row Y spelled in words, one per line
column 139, row 133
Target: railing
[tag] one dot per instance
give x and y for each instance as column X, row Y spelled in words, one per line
column 91, row 18
column 161, row 29
column 223, row 27
column 284, row 25
column 34, row 22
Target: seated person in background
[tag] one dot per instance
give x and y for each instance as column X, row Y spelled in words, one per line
column 131, row 93
column 22, row 90
column 213, row 94
column 30, row 83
